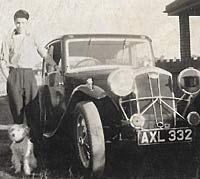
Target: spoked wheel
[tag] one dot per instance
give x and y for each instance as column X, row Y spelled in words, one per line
column 89, row 140
column 83, row 142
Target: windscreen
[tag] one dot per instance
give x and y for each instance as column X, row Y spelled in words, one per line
column 97, row 52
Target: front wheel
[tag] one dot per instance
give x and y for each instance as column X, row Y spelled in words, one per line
column 89, row 139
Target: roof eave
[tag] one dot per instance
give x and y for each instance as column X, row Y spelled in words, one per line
column 179, row 6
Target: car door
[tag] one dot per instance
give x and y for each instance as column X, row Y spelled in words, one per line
column 53, row 91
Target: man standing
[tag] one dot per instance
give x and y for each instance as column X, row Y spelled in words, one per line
column 19, row 52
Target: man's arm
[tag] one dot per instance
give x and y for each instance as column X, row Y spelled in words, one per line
column 47, row 57
column 1, row 51
column 4, row 52
column 4, row 59
column 44, row 53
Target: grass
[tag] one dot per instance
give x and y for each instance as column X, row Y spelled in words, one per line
column 120, row 163
column 6, row 172
column 5, row 154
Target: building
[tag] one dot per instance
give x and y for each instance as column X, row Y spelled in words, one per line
column 184, row 9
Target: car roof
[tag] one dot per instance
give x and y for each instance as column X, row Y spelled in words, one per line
column 79, row 36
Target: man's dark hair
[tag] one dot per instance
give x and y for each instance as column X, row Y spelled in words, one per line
column 21, row 14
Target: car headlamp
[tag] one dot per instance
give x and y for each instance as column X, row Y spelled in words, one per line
column 137, row 121
column 189, row 81
column 193, row 118
column 121, row 82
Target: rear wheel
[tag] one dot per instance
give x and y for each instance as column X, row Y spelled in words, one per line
column 89, row 139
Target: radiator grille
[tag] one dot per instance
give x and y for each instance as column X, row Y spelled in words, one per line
column 153, row 98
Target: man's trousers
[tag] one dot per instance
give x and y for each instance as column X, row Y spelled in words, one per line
column 23, row 99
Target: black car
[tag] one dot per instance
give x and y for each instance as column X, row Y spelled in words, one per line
column 109, row 90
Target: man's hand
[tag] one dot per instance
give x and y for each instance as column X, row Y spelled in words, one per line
column 56, row 68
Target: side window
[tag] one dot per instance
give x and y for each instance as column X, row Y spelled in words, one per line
column 54, row 51
column 57, row 53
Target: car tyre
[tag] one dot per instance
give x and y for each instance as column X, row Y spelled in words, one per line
column 89, row 140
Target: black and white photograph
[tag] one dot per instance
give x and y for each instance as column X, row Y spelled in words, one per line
column 100, row 89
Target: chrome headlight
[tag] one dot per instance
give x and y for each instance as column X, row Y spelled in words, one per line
column 189, row 81
column 120, row 82
column 137, row 121
column 193, row 118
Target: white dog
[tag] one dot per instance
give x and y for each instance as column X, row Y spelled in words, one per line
column 22, row 149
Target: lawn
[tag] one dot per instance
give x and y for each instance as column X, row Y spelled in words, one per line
column 121, row 163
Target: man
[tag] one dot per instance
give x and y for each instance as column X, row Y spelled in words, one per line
column 19, row 52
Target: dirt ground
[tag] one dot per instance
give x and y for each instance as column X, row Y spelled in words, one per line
column 121, row 163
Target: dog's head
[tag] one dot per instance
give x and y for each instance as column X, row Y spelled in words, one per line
column 18, row 132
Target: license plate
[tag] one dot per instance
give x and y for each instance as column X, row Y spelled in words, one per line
column 158, row 136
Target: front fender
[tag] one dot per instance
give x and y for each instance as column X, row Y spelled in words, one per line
column 95, row 92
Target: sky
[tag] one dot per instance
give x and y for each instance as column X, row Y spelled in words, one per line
column 50, row 18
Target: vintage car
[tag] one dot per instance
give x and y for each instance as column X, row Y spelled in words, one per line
column 108, row 90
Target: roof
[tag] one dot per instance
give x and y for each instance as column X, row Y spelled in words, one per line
column 191, row 7
column 74, row 36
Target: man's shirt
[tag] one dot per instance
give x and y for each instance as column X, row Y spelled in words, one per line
column 21, row 51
